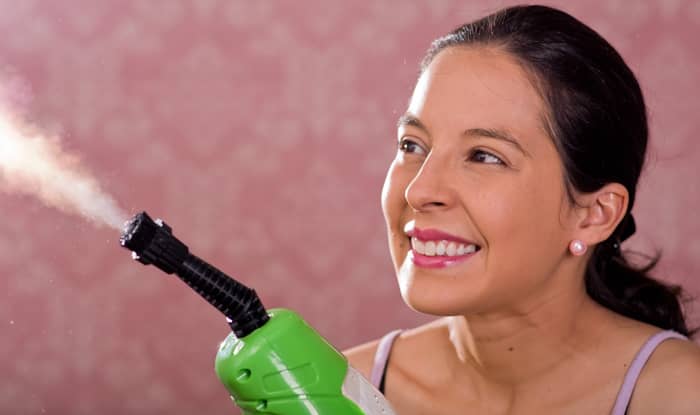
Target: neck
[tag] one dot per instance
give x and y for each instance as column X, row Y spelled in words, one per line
column 522, row 345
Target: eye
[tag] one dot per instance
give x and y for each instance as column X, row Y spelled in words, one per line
column 481, row 156
column 409, row 146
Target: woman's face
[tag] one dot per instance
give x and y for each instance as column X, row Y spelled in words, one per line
column 474, row 201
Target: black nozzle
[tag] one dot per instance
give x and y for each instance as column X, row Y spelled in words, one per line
column 152, row 242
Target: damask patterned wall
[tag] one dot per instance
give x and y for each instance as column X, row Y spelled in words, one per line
column 261, row 131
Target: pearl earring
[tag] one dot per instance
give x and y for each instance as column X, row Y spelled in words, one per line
column 577, row 247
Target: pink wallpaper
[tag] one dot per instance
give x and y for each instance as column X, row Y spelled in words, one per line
column 261, row 131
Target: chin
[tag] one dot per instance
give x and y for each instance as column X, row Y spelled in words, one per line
column 439, row 310
column 436, row 298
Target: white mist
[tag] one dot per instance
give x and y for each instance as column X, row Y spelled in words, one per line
column 33, row 163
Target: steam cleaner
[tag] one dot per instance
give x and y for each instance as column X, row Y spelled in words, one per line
column 273, row 362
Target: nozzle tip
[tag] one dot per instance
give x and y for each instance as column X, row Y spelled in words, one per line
column 139, row 232
column 152, row 242
column 131, row 228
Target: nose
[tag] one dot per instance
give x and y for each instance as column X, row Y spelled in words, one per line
column 431, row 189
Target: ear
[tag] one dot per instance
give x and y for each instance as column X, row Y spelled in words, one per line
column 600, row 212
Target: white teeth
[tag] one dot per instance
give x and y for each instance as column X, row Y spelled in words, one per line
column 432, row 248
column 451, row 249
column 418, row 245
column 441, row 248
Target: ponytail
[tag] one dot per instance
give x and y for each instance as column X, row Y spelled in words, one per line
column 612, row 281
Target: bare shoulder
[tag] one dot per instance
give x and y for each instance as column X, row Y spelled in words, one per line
column 419, row 341
column 670, row 381
column 361, row 357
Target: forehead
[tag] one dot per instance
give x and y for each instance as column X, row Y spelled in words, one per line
column 467, row 87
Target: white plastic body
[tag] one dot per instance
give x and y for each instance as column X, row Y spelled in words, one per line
column 359, row 390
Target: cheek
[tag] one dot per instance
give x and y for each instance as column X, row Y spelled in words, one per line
column 541, row 201
column 522, row 227
column 393, row 200
column 394, row 207
column 528, row 206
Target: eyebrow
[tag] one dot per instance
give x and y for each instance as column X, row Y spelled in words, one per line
column 499, row 134
column 408, row 119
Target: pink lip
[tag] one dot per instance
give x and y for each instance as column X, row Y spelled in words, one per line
column 436, row 235
column 438, row 261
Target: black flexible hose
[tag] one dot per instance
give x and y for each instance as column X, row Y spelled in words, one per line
column 152, row 242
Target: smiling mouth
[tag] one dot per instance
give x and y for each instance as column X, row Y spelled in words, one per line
column 434, row 248
column 440, row 253
column 442, row 248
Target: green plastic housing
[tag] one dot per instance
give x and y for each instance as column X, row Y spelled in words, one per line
column 284, row 368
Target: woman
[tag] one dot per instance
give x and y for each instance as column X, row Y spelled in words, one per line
column 511, row 191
